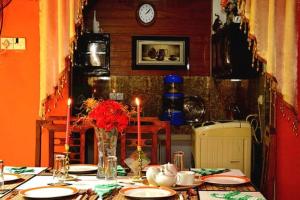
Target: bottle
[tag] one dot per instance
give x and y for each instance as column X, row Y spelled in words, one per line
column 96, row 24
column 1, row 175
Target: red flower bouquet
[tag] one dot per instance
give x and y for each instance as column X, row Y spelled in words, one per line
column 108, row 118
column 108, row 115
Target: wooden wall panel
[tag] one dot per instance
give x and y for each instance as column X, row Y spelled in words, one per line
column 174, row 18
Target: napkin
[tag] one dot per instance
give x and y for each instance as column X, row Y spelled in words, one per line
column 105, row 189
column 20, row 170
column 121, row 171
column 235, row 195
column 207, row 171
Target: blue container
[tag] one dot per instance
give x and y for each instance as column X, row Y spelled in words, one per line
column 175, row 117
column 173, row 101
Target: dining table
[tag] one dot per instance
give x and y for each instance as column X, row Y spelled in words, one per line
column 84, row 184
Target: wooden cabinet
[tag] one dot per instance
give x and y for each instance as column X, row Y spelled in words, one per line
column 91, row 62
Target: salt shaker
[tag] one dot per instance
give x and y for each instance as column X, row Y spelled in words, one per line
column 1, row 175
column 179, row 160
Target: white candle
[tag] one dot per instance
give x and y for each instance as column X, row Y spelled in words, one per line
column 137, row 101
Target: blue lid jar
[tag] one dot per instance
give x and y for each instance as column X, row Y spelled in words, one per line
column 173, row 79
column 173, row 84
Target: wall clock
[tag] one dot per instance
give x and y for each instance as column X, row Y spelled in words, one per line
column 146, row 14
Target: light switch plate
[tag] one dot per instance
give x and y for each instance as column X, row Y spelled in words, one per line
column 7, row 43
column 19, row 44
column 120, row 96
column 12, row 43
column 113, row 95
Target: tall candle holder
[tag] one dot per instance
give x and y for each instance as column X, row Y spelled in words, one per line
column 139, row 177
column 67, row 162
column 139, row 149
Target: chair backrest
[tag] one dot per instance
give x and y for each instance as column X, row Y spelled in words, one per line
column 150, row 127
column 56, row 128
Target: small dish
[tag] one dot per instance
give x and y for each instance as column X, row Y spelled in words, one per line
column 11, row 177
column 71, row 178
column 195, row 184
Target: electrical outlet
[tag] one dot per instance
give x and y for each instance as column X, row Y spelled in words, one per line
column 113, row 96
column 120, row 96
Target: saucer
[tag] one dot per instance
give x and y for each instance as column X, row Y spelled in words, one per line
column 195, row 184
column 71, row 178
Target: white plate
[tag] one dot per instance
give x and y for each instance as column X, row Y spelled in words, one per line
column 48, row 192
column 11, row 177
column 149, row 192
column 82, row 168
column 225, row 180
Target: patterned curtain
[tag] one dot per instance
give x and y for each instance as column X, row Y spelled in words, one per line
column 57, row 29
column 273, row 22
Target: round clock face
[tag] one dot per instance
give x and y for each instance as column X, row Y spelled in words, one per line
column 146, row 14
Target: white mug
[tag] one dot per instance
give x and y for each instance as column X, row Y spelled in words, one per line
column 185, row 178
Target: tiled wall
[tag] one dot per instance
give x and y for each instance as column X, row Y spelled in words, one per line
column 218, row 95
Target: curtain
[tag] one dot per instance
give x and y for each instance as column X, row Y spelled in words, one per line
column 57, row 29
column 273, row 22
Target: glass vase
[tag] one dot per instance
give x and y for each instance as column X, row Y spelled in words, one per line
column 107, row 145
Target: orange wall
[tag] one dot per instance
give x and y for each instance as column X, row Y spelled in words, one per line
column 19, row 84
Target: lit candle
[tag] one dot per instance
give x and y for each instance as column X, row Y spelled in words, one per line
column 137, row 101
column 68, row 121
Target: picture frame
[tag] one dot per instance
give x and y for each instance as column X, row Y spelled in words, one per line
column 160, row 53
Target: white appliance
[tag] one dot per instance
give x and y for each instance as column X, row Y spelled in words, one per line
column 223, row 145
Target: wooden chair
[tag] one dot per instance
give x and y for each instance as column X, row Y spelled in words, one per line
column 57, row 124
column 150, row 127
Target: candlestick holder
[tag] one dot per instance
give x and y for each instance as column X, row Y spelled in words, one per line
column 138, row 177
column 67, row 165
column 67, row 161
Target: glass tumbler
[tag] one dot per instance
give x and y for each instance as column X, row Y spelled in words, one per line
column 111, row 169
column 59, row 170
column 178, row 157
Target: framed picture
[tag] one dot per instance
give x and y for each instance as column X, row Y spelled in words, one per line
column 160, row 52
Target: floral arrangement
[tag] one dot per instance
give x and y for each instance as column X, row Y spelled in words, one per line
column 107, row 114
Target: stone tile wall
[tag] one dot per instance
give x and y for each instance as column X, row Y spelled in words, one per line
column 218, row 95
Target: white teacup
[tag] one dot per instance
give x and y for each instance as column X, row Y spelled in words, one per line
column 185, row 178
